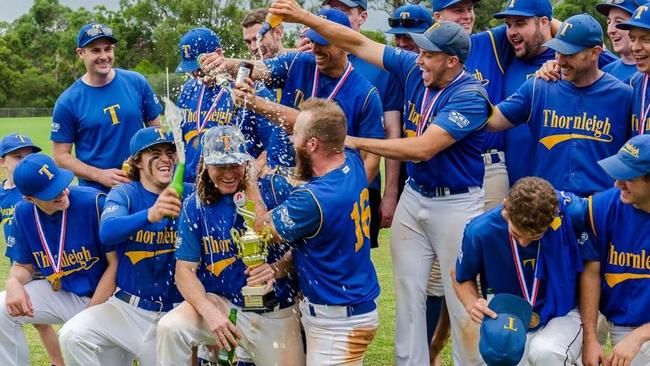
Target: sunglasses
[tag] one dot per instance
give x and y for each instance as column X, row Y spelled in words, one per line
column 92, row 32
column 405, row 22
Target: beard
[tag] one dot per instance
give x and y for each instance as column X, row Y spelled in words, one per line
column 303, row 165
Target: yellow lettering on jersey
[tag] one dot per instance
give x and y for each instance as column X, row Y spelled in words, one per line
column 137, row 255
column 45, row 169
column 298, row 99
column 530, row 261
column 112, row 112
column 628, row 261
column 186, row 50
column 592, row 128
column 565, row 27
column 212, row 245
column 640, row 10
column 160, row 237
column 413, row 115
column 81, row 259
column 511, row 324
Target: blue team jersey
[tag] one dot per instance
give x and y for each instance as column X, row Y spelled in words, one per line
column 217, row 108
column 100, row 121
column 327, row 221
column 8, row 199
column 487, row 251
column 488, row 59
column 360, row 101
column 621, row 235
column 84, row 259
column 145, row 250
column 620, row 69
column 462, row 110
column 639, row 109
column 571, row 137
column 204, row 237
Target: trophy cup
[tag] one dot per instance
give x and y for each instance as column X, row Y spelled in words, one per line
column 252, row 248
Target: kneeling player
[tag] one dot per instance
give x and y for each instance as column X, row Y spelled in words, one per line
column 527, row 247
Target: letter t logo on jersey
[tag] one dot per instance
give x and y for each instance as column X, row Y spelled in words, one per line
column 112, row 111
column 45, row 169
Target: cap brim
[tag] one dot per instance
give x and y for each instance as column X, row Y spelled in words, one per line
column 632, row 24
column 563, row 47
column 454, row 3
column 63, row 179
column 515, row 13
column 511, row 304
column 605, row 8
column 187, row 66
column 153, row 144
column 618, row 170
column 34, row 148
column 313, row 36
column 93, row 39
column 234, row 158
column 403, row 30
column 423, row 42
column 349, row 3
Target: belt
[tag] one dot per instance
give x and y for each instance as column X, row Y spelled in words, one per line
column 277, row 307
column 350, row 310
column 494, row 157
column 157, row 306
column 436, row 191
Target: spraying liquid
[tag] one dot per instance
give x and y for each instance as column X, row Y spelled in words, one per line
column 271, row 21
column 258, row 43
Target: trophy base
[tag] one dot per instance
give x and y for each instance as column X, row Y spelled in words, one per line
column 257, row 300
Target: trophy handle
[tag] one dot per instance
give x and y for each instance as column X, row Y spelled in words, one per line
column 235, row 237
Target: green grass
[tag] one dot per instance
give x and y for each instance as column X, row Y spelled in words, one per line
column 380, row 352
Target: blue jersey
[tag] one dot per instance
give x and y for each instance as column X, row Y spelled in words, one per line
column 100, row 121
column 620, row 69
column 462, row 110
column 8, row 199
column 145, row 250
column 204, row 237
column 216, row 108
column 488, row 60
column 83, row 259
column 571, row 137
column 639, row 108
column 558, row 258
column 621, row 235
column 326, row 219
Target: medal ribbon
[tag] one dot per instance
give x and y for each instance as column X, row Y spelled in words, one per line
column 339, row 84
column 644, row 109
column 531, row 298
column 41, row 235
column 427, row 106
column 201, row 126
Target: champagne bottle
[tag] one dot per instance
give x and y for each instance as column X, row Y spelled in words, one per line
column 271, row 21
column 177, row 181
column 225, row 358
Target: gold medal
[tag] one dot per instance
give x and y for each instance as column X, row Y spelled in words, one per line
column 56, row 284
column 534, row 320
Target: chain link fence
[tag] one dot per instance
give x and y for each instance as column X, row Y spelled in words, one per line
column 25, row 112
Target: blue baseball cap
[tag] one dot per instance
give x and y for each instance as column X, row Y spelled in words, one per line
column 224, row 145
column 631, row 161
column 447, row 37
column 438, row 5
column 410, row 18
column 628, row 6
column 192, row 44
column 575, row 34
column 527, row 8
column 94, row 31
column 352, row 3
column 640, row 19
column 37, row 175
column 15, row 141
column 503, row 340
column 147, row 137
column 333, row 15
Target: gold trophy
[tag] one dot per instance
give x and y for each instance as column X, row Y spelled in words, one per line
column 253, row 249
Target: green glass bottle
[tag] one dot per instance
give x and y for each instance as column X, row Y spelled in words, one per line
column 177, row 181
column 225, row 358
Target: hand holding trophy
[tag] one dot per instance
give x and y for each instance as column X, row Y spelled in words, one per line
column 252, row 249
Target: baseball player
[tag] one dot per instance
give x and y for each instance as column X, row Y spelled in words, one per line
column 206, row 104
column 210, row 276
column 445, row 110
column 270, row 45
column 528, row 247
column 327, row 220
column 99, row 111
column 571, row 136
column 13, row 148
column 619, row 219
column 55, row 230
column 138, row 218
column 618, row 12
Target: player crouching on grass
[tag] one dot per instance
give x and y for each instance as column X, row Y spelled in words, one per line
column 139, row 219
column 528, row 247
column 55, row 230
column 210, row 276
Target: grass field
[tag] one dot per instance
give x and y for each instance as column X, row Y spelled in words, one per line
column 381, row 350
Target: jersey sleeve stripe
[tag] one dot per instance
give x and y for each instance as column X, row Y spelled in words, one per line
column 591, row 215
column 320, row 214
column 494, row 49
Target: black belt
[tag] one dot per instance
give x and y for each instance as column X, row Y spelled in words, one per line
column 157, row 306
column 436, row 191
